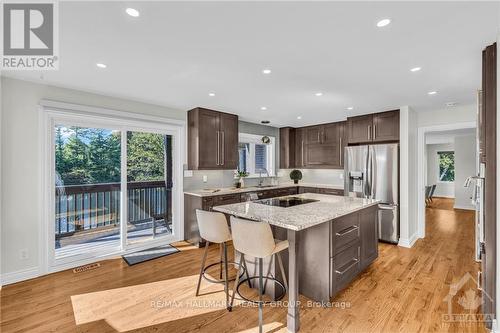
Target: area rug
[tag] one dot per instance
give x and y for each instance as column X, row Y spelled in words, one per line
column 149, row 254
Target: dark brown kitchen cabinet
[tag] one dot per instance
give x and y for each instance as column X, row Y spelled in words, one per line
column 322, row 147
column 377, row 127
column 212, row 140
column 369, row 236
column 299, row 148
column 287, row 148
column 386, row 126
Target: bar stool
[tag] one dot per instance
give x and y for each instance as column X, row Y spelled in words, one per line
column 214, row 229
column 256, row 239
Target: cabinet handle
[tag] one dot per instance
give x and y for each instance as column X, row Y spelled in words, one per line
column 369, row 132
column 374, row 131
column 354, row 260
column 340, row 151
column 319, row 137
column 218, row 147
column 346, row 230
column 222, row 147
column 302, row 152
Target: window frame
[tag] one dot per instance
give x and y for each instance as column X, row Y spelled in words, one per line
column 438, row 171
column 254, row 139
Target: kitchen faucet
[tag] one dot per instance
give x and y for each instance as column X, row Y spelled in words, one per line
column 260, row 176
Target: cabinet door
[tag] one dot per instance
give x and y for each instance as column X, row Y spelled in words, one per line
column 330, row 133
column 369, row 235
column 228, row 141
column 360, row 129
column 343, row 141
column 313, row 134
column 299, row 148
column 386, row 126
column 208, row 139
column 287, row 148
column 322, row 155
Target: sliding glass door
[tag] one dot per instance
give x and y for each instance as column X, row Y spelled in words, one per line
column 113, row 190
column 149, row 186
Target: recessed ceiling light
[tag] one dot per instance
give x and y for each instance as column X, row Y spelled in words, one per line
column 266, row 71
column 415, row 69
column 432, row 92
column 319, row 94
column 212, row 94
column 101, row 65
column 383, row 23
column 132, row 12
column 263, row 108
column 350, row 108
column 451, row 104
column 299, row 117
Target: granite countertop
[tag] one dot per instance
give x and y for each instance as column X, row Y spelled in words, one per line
column 302, row 216
column 233, row 190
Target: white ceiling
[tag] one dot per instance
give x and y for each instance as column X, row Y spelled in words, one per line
column 174, row 54
column 442, row 137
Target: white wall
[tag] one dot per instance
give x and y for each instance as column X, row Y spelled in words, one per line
column 408, row 177
column 443, row 189
column 465, row 166
column 20, row 165
column 458, row 114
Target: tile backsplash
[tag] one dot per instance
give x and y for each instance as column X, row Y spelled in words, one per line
column 219, row 179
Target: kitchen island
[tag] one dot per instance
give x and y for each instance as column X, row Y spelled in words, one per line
column 332, row 239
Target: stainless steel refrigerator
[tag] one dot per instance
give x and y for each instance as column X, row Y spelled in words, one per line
column 372, row 171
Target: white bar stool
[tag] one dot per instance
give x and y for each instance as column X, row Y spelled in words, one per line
column 256, row 239
column 214, row 229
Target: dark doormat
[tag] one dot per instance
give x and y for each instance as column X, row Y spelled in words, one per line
column 149, row 254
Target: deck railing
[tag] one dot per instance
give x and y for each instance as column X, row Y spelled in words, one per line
column 92, row 206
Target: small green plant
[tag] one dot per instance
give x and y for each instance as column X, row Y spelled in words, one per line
column 296, row 175
column 241, row 174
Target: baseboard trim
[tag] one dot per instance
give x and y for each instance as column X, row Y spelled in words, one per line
column 18, row 276
column 408, row 242
column 464, row 207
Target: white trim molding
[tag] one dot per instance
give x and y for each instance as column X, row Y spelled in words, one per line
column 405, row 242
column 22, row 275
column 422, row 166
column 78, row 115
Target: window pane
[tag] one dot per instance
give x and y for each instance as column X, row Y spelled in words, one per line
column 87, row 189
column 243, row 151
column 149, row 185
column 260, row 158
column 446, row 166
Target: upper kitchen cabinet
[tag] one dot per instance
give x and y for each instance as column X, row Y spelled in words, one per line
column 386, row 126
column 322, row 147
column 287, row 148
column 212, row 140
column 377, row 127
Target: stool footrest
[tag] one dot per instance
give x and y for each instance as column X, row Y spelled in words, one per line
column 280, row 296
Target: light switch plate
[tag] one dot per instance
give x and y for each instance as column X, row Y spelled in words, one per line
column 205, row 178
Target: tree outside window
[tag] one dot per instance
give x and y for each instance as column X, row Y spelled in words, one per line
column 446, row 160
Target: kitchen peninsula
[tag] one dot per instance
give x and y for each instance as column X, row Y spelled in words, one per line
column 332, row 239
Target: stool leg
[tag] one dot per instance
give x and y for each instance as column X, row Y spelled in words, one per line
column 202, row 268
column 236, row 281
column 246, row 270
column 282, row 269
column 260, row 295
column 268, row 272
column 221, row 261
column 226, row 278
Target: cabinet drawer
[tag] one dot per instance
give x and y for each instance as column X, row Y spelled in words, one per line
column 344, row 268
column 308, row 190
column 227, row 199
column 345, row 230
column 331, row 191
column 286, row 191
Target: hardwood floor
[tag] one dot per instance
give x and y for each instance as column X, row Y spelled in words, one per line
column 403, row 291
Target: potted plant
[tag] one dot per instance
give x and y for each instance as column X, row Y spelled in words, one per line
column 241, row 175
column 296, row 175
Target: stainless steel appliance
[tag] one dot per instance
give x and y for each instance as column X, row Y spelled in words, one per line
column 373, row 172
column 478, row 201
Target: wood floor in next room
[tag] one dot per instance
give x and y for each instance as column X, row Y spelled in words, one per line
column 405, row 290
